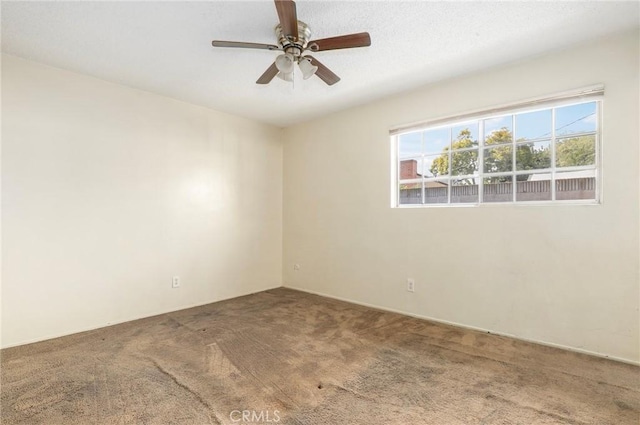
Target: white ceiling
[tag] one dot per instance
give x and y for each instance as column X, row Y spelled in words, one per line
column 165, row 47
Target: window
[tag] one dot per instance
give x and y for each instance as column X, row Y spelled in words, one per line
column 532, row 152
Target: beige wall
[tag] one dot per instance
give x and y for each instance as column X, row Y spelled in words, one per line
column 108, row 192
column 562, row 275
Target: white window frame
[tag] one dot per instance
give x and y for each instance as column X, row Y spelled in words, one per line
column 584, row 95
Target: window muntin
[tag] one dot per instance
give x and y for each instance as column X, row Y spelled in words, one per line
column 537, row 155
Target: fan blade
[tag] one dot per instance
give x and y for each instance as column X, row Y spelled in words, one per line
column 323, row 72
column 361, row 39
column 268, row 75
column 243, row 45
column 288, row 17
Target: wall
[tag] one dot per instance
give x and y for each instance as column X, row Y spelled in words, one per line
column 109, row 191
column 562, row 275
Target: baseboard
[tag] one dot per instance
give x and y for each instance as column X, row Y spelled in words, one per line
column 475, row 328
column 146, row 316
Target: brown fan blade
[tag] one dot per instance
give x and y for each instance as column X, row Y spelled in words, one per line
column 243, row 45
column 323, row 72
column 361, row 39
column 268, row 75
column 288, row 17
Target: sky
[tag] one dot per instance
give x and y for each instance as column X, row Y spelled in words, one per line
column 571, row 119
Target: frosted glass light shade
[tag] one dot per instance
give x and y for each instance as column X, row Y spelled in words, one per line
column 284, row 63
column 307, row 68
column 287, row 76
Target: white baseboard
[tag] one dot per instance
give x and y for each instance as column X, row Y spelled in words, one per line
column 475, row 328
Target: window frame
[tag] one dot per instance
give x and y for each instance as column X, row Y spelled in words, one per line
column 593, row 94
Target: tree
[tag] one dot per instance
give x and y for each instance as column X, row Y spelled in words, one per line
column 576, row 151
column 465, row 162
column 498, row 155
column 500, row 158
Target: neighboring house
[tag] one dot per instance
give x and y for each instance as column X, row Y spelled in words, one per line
column 409, row 171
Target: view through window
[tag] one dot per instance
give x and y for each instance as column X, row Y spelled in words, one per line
column 537, row 155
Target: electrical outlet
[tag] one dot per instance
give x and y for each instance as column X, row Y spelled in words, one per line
column 411, row 285
column 296, row 267
column 175, row 282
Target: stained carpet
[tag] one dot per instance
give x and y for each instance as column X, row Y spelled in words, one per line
column 283, row 356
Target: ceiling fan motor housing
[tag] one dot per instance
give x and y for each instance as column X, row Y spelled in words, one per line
column 292, row 46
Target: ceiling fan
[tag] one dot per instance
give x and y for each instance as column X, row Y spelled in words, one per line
column 294, row 40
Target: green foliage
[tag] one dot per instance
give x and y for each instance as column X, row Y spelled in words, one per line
column 576, row 151
column 528, row 157
column 498, row 156
column 465, row 162
column 499, row 137
column 440, row 165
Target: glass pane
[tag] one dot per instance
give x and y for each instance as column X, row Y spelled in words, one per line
column 410, row 168
column 497, row 189
column 437, row 140
column 436, row 165
column 466, row 130
column 576, row 185
column 573, row 119
column 576, row 151
column 533, row 125
column 464, row 191
column 410, row 193
column 499, row 159
column 464, row 162
column 463, row 139
column 410, row 144
column 533, row 156
column 533, row 187
column 498, row 130
column 436, row 192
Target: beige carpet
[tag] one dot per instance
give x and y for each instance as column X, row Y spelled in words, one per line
column 287, row 357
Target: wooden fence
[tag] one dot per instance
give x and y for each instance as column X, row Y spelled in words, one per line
column 539, row 190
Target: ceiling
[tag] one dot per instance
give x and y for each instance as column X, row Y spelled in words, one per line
column 165, row 47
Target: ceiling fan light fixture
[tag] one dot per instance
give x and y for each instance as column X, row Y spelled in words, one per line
column 307, row 68
column 286, row 76
column 294, row 39
column 284, row 63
